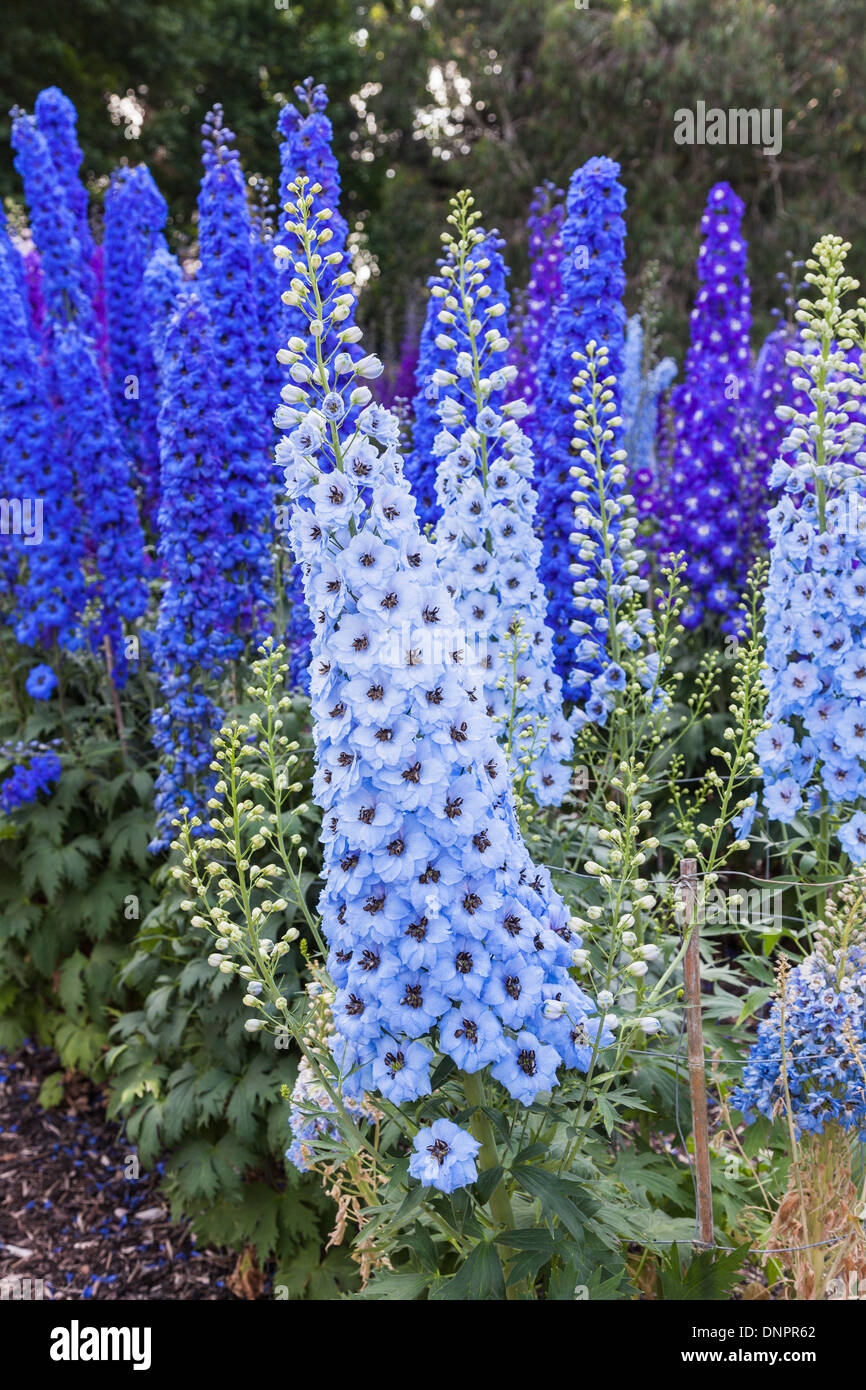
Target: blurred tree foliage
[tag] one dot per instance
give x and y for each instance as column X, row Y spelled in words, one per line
column 500, row 94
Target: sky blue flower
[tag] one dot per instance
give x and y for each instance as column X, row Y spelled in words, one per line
column 444, row 1156
column 642, row 389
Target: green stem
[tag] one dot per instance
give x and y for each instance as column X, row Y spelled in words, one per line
column 499, row 1201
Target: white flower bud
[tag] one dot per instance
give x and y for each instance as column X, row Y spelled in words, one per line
column 369, row 367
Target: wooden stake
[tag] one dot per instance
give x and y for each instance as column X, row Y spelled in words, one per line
column 109, row 663
column 697, row 1065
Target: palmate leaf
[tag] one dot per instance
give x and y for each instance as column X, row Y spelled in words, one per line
column 18, row 919
column 652, row 1174
column 560, row 1199
column 202, row 1169
column 143, row 1128
column 395, row 1287
column 73, row 859
column 40, row 870
column 78, row 1046
column 70, row 983
column 256, row 1088
column 194, row 1097
column 130, row 835
column 479, row 1278
column 707, row 1275
column 101, row 906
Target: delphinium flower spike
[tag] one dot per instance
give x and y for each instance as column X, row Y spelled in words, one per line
column 706, row 501
column 48, row 598
column 306, row 152
column 53, row 223
column 115, row 544
column 802, row 1058
column 444, row 937
column 814, row 752
column 487, row 549
column 609, row 621
column 57, row 120
column 163, row 283
column 135, row 218
column 642, row 387
column 194, row 637
column 537, row 304
column 265, row 271
column 589, row 308
column 434, row 379
column 226, row 286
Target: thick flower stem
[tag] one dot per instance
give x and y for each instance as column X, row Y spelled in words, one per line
column 488, row 1157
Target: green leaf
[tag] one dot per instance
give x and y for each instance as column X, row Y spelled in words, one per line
column 754, row 1000
column 707, row 1276
column 51, row 1090
column 556, row 1197
column 487, row 1184
column 70, row 983
column 400, row 1287
column 479, row 1278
